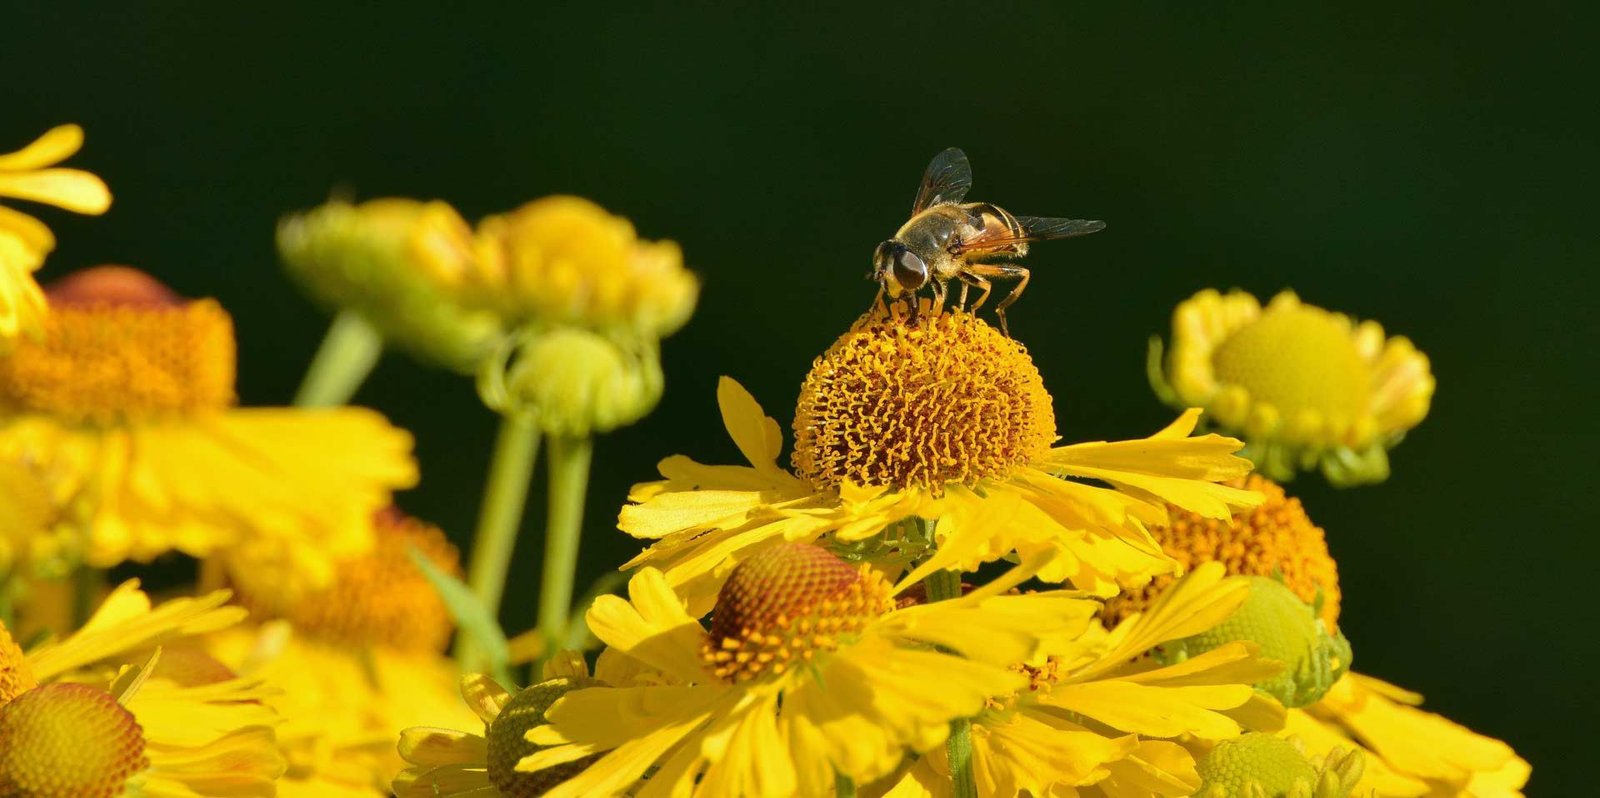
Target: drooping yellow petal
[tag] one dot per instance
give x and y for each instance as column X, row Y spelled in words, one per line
column 653, row 627
column 1194, row 604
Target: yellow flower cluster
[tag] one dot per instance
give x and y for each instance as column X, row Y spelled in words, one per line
column 931, row 595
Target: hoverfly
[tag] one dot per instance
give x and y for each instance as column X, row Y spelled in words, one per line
column 946, row 240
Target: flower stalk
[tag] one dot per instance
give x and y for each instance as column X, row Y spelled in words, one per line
column 942, row 585
column 570, row 458
column 347, row 355
column 504, row 496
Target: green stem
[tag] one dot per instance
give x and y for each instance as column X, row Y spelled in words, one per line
column 843, row 787
column 516, row 448
column 348, row 352
column 569, row 483
column 86, row 584
column 942, row 585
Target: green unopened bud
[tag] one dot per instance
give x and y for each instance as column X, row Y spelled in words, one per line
column 1286, row 629
column 1260, row 765
column 508, row 744
column 574, row 382
column 404, row 266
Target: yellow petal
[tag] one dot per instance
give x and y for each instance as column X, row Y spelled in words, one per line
column 758, row 436
column 431, row 747
column 56, row 145
column 653, row 627
column 70, row 189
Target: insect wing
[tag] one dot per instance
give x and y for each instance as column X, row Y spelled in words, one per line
column 998, row 239
column 948, row 178
column 1044, row 228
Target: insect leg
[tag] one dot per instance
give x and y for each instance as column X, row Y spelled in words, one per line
column 983, row 285
column 939, row 290
column 1018, row 273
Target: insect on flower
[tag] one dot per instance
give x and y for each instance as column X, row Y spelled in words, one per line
column 946, row 239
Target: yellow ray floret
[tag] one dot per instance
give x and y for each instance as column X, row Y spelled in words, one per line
column 1087, row 505
column 30, row 174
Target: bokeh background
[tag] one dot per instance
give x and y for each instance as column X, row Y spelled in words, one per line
column 1430, row 165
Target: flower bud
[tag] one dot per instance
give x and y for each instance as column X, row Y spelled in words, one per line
column 404, row 266
column 576, row 383
column 1263, row 766
column 1286, row 629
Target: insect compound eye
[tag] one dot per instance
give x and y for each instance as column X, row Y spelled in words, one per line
column 909, row 270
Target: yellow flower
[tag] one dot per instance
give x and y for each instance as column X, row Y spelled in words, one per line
column 1096, row 714
column 1275, row 539
column 809, row 669
column 1304, row 386
column 353, row 660
column 124, row 407
column 947, row 421
column 379, row 598
column 566, row 261
column 405, row 266
column 341, row 704
column 446, row 762
column 1409, row 752
column 24, row 240
column 172, row 726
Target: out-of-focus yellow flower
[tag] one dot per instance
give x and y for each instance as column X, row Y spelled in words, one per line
column 353, row 661
column 573, row 382
column 566, row 261
column 1264, row 766
column 1097, row 717
column 1409, row 753
column 94, row 725
column 809, row 669
column 1304, row 386
column 405, row 266
column 24, row 241
column 341, row 705
column 944, row 421
column 1276, row 539
column 376, row 599
column 124, row 408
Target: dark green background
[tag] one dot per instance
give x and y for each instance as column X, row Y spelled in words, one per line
column 1432, row 166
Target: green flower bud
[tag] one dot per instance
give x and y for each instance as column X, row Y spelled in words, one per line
column 404, row 266
column 508, row 744
column 1263, row 766
column 1288, row 630
column 574, row 382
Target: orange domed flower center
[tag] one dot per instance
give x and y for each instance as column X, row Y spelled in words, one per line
column 16, row 675
column 946, row 400
column 119, row 345
column 379, row 598
column 785, row 606
column 1276, row 539
column 68, row 741
column 1297, row 358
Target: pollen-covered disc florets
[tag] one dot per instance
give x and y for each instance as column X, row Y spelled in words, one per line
column 68, row 741
column 119, row 344
column 1275, row 539
column 508, row 744
column 786, row 605
column 378, row 598
column 948, row 399
column 16, row 676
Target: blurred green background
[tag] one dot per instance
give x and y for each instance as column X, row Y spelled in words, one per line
column 1432, row 165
